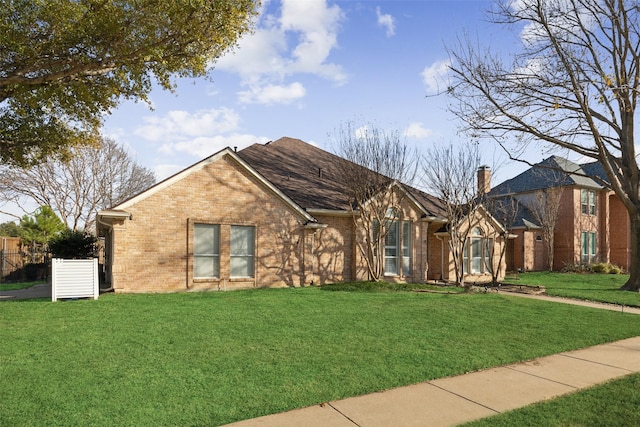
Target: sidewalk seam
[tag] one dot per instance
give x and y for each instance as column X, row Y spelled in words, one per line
column 514, row 368
column 464, row 397
column 343, row 414
column 631, row 371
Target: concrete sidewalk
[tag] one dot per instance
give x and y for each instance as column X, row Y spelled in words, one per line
column 455, row 400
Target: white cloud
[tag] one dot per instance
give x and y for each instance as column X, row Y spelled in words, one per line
column 386, row 21
column 179, row 124
column 272, row 94
column 435, row 76
column 166, row 170
column 198, row 134
column 298, row 40
column 417, row 130
column 562, row 15
column 532, row 68
column 205, row 146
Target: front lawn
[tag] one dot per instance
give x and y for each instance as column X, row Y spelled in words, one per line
column 214, row 358
column 586, row 286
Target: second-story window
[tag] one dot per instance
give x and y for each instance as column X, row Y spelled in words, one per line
column 588, row 202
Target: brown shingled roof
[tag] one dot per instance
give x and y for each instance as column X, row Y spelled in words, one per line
column 310, row 176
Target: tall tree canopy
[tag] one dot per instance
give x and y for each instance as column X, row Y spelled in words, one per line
column 574, row 85
column 64, row 64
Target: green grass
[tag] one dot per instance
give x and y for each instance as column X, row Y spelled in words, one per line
column 389, row 287
column 613, row 403
column 18, row 285
column 587, row 286
column 215, row 358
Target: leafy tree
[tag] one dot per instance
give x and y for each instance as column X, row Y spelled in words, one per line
column 41, row 227
column 573, row 85
column 9, row 229
column 73, row 244
column 94, row 178
column 64, row 64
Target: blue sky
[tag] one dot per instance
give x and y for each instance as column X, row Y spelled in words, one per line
column 310, row 66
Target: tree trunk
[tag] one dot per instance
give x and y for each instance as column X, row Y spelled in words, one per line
column 633, row 284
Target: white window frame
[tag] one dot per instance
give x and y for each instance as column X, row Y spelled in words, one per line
column 397, row 245
column 588, row 202
column 242, row 253
column 477, row 262
column 206, row 249
column 588, row 247
column 391, row 249
column 405, row 254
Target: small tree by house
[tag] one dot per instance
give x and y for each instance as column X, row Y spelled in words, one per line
column 505, row 210
column 545, row 205
column 450, row 173
column 377, row 164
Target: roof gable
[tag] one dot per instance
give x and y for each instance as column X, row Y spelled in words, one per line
column 552, row 172
column 202, row 164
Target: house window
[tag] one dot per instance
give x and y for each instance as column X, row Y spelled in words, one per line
column 477, row 253
column 588, row 202
column 488, row 253
column 391, row 241
column 397, row 244
column 588, row 247
column 406, row 248
column 206, row 250
column 242, row 251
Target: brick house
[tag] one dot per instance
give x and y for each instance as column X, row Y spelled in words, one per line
column 592, row 224
column 270, row 215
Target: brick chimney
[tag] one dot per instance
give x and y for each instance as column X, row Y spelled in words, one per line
column 484, row 180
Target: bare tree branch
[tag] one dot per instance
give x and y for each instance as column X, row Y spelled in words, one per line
column 574, row 84
column 93, row 178
column 377, row 164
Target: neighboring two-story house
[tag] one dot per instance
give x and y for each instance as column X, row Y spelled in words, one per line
column 591, row 226
column 274, row 214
